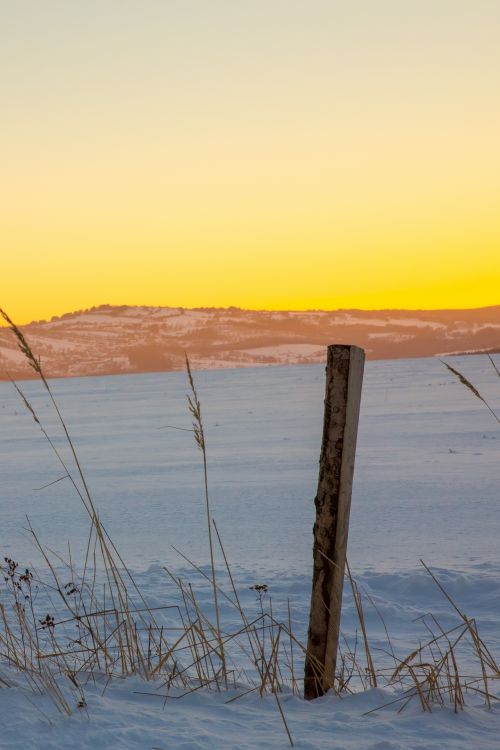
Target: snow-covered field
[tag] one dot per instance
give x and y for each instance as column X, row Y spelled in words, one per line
column 427, row 485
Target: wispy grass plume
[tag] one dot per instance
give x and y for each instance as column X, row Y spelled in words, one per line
column 199, row 436
column 472, row 388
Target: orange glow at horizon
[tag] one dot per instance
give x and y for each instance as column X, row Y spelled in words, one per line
column 277, row 155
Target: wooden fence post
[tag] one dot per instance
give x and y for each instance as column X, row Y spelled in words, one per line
column 344, row 377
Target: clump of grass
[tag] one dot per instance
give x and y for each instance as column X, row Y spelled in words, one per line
column 118, row 634
column 432, row 673
column 99, row 542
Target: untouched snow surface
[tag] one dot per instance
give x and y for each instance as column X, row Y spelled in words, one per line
column 426, row 486
column 123, row 720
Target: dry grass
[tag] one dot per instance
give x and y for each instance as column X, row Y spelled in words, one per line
column 199, row 436
column 117, row 632
column 99, row 627
column 472, row 388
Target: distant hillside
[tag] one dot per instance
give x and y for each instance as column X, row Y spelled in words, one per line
column 107, row 340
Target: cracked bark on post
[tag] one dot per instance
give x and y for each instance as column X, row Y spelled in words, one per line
column 344, row 378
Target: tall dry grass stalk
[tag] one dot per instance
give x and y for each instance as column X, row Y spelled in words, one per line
column 472, row 387
column 199, row 436
column 494, row 365
column 132, row 659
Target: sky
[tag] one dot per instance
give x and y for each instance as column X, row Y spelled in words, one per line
column 258, row 153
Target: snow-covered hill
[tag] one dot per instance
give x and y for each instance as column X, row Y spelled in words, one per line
column 108, row 340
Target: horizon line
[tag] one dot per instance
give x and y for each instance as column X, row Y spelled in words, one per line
column 257, row 310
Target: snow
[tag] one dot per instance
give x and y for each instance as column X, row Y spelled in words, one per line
column 93, row 318
column 391, row 336
column 153, row 339
column 347, row 319
column 129, row 721
column 54, row 343
column 284, row 350
column 415, row 323
column 10, row 355
column 459, row 353
column 426, row 486
column 125, row 720
column 459, row 329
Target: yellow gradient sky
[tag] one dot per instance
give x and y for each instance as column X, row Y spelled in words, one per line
column 260, row 153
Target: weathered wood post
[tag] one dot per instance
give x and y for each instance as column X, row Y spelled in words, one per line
column 344, row 377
